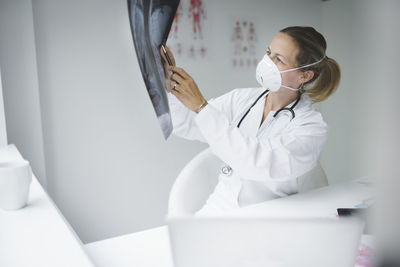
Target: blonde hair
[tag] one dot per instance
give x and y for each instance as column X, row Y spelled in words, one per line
column 312, row 47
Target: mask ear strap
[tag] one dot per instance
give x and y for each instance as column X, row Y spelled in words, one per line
column 290, row 88
column 294, row 89
column 305, row 66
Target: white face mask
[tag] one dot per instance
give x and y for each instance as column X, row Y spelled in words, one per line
column 269, row 76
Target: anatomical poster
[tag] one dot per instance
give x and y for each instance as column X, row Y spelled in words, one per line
column 244, row 44
column 190, row 32
column 150, row 22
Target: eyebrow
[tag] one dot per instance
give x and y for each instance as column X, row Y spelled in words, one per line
column 269, row 48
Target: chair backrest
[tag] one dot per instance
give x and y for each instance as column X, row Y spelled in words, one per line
column 194, row 184
column 199, row 177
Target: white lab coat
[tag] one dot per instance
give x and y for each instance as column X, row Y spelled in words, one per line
column 266, row 160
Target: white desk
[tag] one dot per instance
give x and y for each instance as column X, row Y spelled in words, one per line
column 37, row 235
column 151, row 248
column 321, row 202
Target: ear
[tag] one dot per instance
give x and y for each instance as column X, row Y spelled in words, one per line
column 307, row 75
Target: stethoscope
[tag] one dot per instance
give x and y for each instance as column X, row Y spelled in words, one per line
column 227, row 170
column 290, row 109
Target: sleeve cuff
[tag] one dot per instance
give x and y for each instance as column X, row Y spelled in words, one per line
column 212, row 123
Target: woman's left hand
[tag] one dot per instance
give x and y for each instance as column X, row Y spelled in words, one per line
column 185, row 89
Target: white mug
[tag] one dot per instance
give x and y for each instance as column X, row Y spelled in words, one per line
column 15, row 180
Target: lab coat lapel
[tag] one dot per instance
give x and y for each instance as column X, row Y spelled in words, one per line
column 251, row 123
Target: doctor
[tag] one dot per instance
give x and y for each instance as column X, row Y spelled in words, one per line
column 268, row 136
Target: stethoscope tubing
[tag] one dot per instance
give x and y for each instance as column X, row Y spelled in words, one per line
column 290, row 109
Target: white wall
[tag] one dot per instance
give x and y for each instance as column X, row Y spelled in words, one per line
column 111, row 170
column 337, row 157
column 346, row 26
column 20, row 82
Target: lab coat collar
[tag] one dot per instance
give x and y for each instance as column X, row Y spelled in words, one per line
column 305, row 101
column 251, row 126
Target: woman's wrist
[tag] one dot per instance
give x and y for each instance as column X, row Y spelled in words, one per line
column 201, row 106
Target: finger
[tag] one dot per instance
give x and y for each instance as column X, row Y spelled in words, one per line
column 177, row 87
column 162, row 55
column 171, row 56
column 164, row 58
column 172, row 86
column 175, row 74
column 176, row 93
column 177, row 78
column 167, row 72
column 166, row 63
column 180, row 71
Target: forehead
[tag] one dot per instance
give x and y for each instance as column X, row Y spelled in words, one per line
column 284, row 45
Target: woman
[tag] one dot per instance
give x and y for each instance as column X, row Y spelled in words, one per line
column 268, row 136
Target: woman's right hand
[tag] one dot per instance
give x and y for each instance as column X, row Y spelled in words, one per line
column 181, row 84
column 168, row 73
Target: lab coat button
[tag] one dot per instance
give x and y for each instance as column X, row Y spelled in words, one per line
column 227, row 170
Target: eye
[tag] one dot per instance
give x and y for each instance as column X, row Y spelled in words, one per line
column 268, row 52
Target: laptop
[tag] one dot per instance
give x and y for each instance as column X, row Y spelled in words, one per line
column 264, row 242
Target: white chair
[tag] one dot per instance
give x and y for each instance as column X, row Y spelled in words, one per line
column 199, row 177
column 194, row 183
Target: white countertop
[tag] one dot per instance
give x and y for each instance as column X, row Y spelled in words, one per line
column 37, row 235
column 320, row 202
column 152, row 248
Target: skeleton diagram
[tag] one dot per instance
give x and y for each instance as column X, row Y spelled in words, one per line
column 196, row 12
column 252, row 39
column 188, row 35
column 177, row 20
column 237, row 39
column 244, row 44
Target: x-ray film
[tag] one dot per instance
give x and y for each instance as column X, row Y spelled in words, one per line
column 151, row 22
